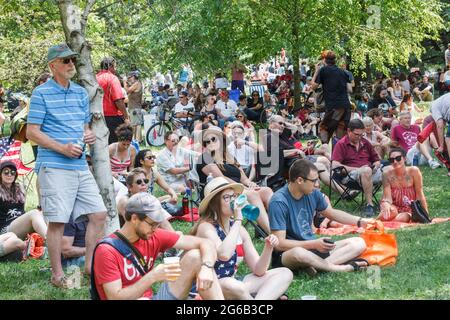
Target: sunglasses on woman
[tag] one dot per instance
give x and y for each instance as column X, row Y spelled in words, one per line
column 397, row 158
column 9, row 172
column 67, row 60
column 140, row 181
column 150, row 157
column 213, row 139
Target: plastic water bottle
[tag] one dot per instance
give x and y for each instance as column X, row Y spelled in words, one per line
column 209, row 178
column 416, row 159
column 185, row 202
column 249, row 212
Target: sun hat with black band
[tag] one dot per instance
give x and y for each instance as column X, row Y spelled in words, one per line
column 214, row 187
column 145, row 203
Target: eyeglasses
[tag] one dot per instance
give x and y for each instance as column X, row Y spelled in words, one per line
column 152, row 225
column 255, row 95
column 175, row 141
column 68, row 60
column 140, row 181
column 240, row 117
column 213, row 139
column 397, row 158
column 281, row 123
column 314, row 181
column 9, row 172
column 229, row 197
column 357, row 134
column 150, row 157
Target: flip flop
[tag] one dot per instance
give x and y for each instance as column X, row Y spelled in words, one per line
column 356, row 266
column 284, row 296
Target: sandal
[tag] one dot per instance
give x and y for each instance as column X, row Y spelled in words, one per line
column 284, row 296
column 356, row 266
column 310, row 271
column 59, row 283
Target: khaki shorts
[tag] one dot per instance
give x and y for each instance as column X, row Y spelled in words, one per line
column 356, row 174
column 66, row 193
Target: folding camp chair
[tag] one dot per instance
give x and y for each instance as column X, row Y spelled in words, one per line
column 339, row 176
column 257, row 86
column 25, row 173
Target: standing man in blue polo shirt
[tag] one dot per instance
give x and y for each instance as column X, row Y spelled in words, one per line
column 58, row 122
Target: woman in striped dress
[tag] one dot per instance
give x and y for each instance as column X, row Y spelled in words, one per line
column 401, row 186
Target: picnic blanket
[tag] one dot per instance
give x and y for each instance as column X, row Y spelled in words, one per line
column 388, row 225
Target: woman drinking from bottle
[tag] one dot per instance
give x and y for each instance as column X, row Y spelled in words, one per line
column 221, row 222
column 401, row 185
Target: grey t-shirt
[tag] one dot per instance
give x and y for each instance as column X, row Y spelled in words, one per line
column 440, row 108
column 295, row 216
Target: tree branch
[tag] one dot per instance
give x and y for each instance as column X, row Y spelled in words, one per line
column 105, row 7
column 85, row 15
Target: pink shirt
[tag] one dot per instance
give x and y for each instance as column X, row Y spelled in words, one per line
column 407, row 138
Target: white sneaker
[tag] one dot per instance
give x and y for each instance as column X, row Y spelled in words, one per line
column 434, row 164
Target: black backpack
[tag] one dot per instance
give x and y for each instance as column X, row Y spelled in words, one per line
column 127, row 250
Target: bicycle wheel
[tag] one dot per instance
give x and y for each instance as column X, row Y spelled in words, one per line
column 155, row 135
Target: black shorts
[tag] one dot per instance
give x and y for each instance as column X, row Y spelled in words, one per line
column 112, row 122
column 276, row 257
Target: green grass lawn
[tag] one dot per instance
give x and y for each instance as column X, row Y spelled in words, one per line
column 422, row 270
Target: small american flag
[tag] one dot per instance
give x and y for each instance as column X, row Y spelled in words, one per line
column 5, row 145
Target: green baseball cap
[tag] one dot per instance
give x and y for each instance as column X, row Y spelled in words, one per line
column 60, row 51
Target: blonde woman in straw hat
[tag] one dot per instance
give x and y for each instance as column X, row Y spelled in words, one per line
column 223, row 226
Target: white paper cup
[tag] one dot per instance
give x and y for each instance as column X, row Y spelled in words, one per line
column 308, row 297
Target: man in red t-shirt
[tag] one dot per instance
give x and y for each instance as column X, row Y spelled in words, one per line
column 116, row 278
column 114, row 108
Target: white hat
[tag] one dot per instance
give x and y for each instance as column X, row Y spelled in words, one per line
column 214, row 187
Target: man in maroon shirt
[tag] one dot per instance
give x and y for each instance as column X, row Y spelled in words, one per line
column 360, row 159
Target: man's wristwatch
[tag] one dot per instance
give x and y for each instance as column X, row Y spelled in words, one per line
column 208, row 264
column 358, row 224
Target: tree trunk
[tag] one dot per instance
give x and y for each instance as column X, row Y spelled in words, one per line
column 368, row 70
column 296, row 62
column 74, row 28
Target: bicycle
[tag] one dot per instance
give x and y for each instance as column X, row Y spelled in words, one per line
column 168, row 122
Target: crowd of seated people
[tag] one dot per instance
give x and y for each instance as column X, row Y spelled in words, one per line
column 280, row 170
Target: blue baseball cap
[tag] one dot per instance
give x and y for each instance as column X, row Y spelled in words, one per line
column 60, row 51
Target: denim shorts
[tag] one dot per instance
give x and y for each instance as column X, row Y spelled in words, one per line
column 164, row 293
column 66, row 193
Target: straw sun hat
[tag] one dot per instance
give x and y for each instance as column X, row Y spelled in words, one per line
column 214, row 187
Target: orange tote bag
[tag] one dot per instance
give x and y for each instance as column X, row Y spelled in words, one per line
column 381, row 247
